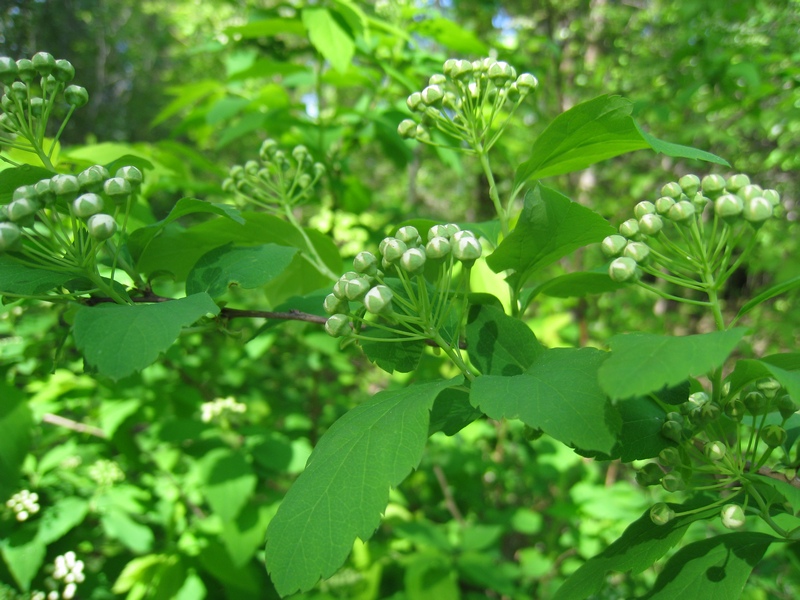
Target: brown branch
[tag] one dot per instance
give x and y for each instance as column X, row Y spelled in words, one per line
column 73, row 425
column 449, row 501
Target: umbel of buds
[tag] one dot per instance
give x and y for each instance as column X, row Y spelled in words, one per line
column 407, row 289
column 277, row 180
column 695, row 227
column 465, row 100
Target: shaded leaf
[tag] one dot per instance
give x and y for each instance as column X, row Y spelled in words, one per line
column 714, row 568
column 228, row 481
column 16, row 422
column 346, row 484
column 499, row 344
column 750, row 369
column 246, row 266
column 576, row 285
column 14, row 177
column 120, row 339
column 402, row 357
column 452, row 412
column 641, row 363
column 558, row 394
column 267, row 28
column 679, row 151
column 784, row 488
column 775, row 290
column 451, row 35
column 22, row 280
column 550, row 227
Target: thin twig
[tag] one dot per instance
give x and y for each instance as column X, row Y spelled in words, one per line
column 73, row 425
column 449, row 501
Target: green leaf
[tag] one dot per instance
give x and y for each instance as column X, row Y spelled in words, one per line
column 640, row 437
column 641, row 363
column 14, row 177
column 117, row 524
column 451, row 35
column 747, row 370
column 558, row 394
column 346, row 484
column 714, row 568
column 591, row 132
column 452, row 412
column 245, row 534
column 577, row 285
column 550, row 227
column 228, row 481
column 679, row 151
column 775, row 290
column 155, row 577
column 16, row 422
column 784, row 488
column 499, row 344
column 402, row 357
column 22, row 280
column 24, row 555
column 247, row 266
column 119, row 339
column 329, row 38
column 61, row 518
column 640, row 545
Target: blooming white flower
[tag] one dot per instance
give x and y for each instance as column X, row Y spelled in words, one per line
column 219, row 407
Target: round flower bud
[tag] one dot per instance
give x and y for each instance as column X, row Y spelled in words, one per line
column 409, row 235
column 366, row 263
column 413, row 260
column 92, row 179
column 773, row 197
column 24, row 191
column 466, row 249
column 422, row 134
column 709, row 412
column 699, row 201
column 458, row 235
column 132, row 175
column 755, row 402
column 414, row 102
column 737, row 182
column 319, row 169
column 613, row 245
column 690, row 184
column 735, row 409
column 407, row 129
column 729, row 207
column 117, row 188
column 251, row 167
column 379, row 300
column 649, row 474
column 757, row 210
column 637, row 251
column 750, row 191
column 773, row 435
column 462, row 70
column 437, row 248
column 673, row 482
column 644, row 208
column 661, row 514
column 43, row 191
column 500, row 72
column 87, row 205
column 36, row 105
column 651, row 224
column 76, row 96
column 681, row 212
column 44, row 63
column 50, row 84
column 65, row 187
column 664, row 204
column 670, row 457
column 672, row 190
column 629, row 228
column 768, row 386
column 64, row 71
column 437, row 79
column 732, row 516
column 101, row 226
column 713, row 185
column 623, row 269
column 356, row 288
column 392, row 249
column 526, row 83
column 437, row 231
column 450, row 229
column 450, row 66
column 786, row 406
column 10, row 235
column 22, row 210
column 334, row 305
column 18, row 91
column 300, row 153
column 715, row 451
column 25, row 69
column 8, row 70
column 432, row 94
column 672, row 430
column 337, row 325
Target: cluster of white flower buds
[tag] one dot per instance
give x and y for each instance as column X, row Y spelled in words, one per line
column 31, row 88
column 276, row 179
column 464, row 100
column 69, row 570
column 24, row 504
column 106, row 473
column 220, row 407
column 733, row 204
column 403, row 258
column 51, row 211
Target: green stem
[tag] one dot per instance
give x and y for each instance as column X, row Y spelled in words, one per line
column 493, row 194
column 317, row 261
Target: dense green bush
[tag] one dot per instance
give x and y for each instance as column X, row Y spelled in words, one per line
column 337, row 307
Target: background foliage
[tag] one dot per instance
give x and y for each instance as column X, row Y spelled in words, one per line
column 162, row 501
